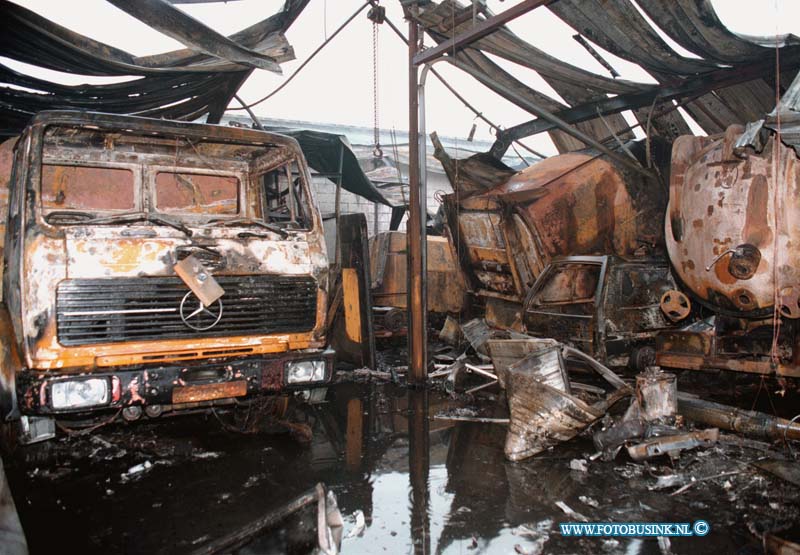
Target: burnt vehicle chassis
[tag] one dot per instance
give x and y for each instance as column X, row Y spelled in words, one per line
column 725, row 342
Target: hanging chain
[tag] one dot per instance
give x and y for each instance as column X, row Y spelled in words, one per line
column 377, row 14
column 377, row 129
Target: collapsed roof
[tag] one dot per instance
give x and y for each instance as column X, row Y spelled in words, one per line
column 185, row 84
column 730, row 81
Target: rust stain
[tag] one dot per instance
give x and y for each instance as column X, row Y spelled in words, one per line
column 76, row 176
column 721, row 271
column 756, row 228
column 740, row 211
column 209, row 392
column 569, row 204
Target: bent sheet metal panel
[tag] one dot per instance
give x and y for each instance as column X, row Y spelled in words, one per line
column 182, row 84
column 31, row 38
column 617, row 26
column 542, row 416
column 495, row 78
column 176, row 23
column 575, row 85
column 694, row 25
column 507, row 45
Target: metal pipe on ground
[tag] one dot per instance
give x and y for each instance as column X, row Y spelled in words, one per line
column 747, row 422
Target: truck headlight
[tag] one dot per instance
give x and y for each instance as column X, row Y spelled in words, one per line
column 74, row 394
column 304, row 371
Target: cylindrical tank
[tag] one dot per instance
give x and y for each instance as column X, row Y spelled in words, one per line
column 725, row 238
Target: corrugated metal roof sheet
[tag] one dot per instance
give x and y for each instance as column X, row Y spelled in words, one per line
column 729, row 81
column 183, row 84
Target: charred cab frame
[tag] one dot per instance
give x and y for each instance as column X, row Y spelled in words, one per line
column 90, row 293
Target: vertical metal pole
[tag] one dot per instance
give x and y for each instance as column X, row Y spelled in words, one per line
column 290, row 202
column 417, row 355
column 423, row 208
column 338, row 208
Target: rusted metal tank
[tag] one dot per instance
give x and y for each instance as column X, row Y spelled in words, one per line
column 725, row 238
column 577, row 203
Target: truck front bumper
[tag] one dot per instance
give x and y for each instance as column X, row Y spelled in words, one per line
column 59, row 392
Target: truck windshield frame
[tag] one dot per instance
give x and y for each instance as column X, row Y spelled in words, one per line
column 94, row 175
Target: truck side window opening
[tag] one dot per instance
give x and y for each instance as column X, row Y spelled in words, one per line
column 570, row 283
column 69, row 187
column 17, row 173
column 285, row 200
column 180, row 192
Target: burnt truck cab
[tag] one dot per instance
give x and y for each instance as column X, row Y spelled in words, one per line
column 606, row 306
column 94, row 317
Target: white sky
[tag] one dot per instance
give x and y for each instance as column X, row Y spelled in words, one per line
column 336, row 87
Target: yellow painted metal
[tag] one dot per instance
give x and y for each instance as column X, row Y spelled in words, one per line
column 352, row 304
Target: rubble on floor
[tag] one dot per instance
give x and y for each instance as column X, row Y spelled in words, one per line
column 455, row 489
column 312, row 519
column 548, row 405
column 558, row 436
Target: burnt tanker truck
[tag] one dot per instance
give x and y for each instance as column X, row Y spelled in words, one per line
column 732, row 233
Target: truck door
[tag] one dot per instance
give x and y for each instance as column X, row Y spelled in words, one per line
column 563, row 303
column 631, row 307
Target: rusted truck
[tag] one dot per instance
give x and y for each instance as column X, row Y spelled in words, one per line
column 579, row 203
column 506, row 226
column 104, row 214
column 444, row 284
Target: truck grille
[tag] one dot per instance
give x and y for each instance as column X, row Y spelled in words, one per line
column 139, row 309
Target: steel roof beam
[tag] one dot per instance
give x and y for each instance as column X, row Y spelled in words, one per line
column 480, row 30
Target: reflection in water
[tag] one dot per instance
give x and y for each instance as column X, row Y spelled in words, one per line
column 355, row 434
column 425, row 486
column 462, row 495
column 418, row 466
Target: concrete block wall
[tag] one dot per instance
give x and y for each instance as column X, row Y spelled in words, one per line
column 325, row 194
